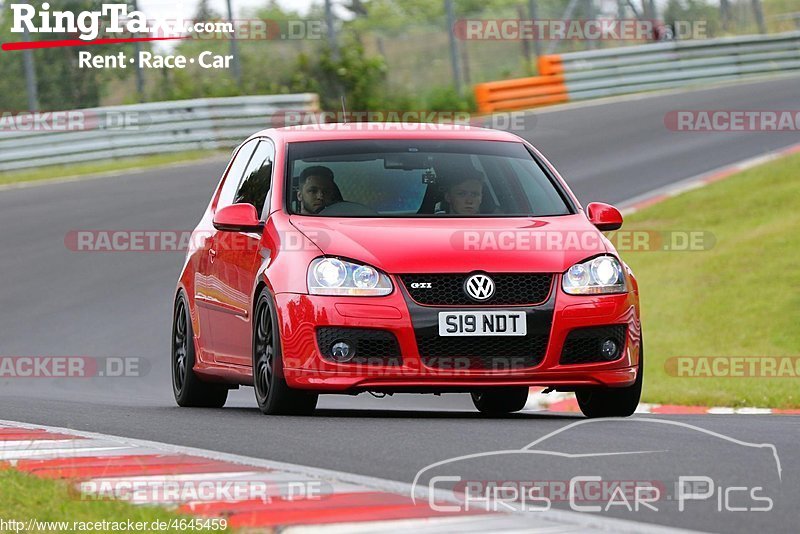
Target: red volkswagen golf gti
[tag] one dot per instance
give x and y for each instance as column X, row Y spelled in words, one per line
column 403, row 258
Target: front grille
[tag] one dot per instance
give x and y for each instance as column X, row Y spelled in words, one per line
column 481, row 352
column 583, row 344
column 448, row 289
column 372, row 346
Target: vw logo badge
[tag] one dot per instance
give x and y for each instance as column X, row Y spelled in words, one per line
column 479, row 287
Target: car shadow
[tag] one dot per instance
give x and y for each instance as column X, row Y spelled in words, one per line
column 359, row 413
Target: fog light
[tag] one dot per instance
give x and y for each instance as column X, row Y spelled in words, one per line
column 609, row 349
column 341, row 351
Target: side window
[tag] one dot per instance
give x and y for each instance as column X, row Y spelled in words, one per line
column 234, row 176
column 256, row 182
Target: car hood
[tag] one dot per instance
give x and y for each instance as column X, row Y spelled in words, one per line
column 547, row 244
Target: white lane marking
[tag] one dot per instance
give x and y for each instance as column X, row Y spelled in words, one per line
column 193, row 477
column 721, row 411
column 55, row 453
column 701, row 180
column 567, row 518
column 9, row 449
column 754, row 411
column 26, row 444
column 538, row 401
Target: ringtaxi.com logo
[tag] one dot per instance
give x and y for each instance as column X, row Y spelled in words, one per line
column 119, row 21
column 85, row 23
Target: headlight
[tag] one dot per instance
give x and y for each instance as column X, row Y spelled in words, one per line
column 598, row 276
column 332, row 276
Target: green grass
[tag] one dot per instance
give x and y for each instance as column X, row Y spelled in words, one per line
column 739, row 298
column 24, row 497
column 100, row 167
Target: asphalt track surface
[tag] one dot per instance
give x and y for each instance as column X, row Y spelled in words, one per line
column 59, row 302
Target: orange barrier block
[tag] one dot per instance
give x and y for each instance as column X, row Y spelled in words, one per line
column 521, row 93
column 550, row 65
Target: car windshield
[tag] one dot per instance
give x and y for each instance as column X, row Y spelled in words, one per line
column 419, row 178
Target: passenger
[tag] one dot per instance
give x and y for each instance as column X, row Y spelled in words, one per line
column 317, row 190
column 464, row 195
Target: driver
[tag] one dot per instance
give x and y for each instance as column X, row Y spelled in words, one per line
column 464, row 195
column 317, row 190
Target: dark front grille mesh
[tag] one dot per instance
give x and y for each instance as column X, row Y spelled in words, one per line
column 481, row 352
column 373, row 347
column 583, row 344
column 448, row 289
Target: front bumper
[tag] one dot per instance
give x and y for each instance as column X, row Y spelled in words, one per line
column 305, row 368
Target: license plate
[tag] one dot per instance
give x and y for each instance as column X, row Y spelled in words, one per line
column 482, row 323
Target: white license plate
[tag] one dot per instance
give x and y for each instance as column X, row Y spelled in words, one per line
column 482, row 323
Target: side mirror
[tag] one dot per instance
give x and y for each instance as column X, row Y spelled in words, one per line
column 604, row 216
column 238, row 218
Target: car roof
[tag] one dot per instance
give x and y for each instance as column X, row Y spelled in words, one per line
column 384, row 130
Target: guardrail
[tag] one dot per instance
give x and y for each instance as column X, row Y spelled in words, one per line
column 141, row 129
column 616, row 71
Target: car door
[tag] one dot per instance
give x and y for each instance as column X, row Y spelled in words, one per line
column 207, row 295
column 235, row 264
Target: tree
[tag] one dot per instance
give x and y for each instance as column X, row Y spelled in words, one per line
column 62, row 84
column 205, row 12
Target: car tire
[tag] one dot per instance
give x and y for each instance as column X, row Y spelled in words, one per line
column 613, row 402
column 273, row 395
column 500, row 401
column 188, row 389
